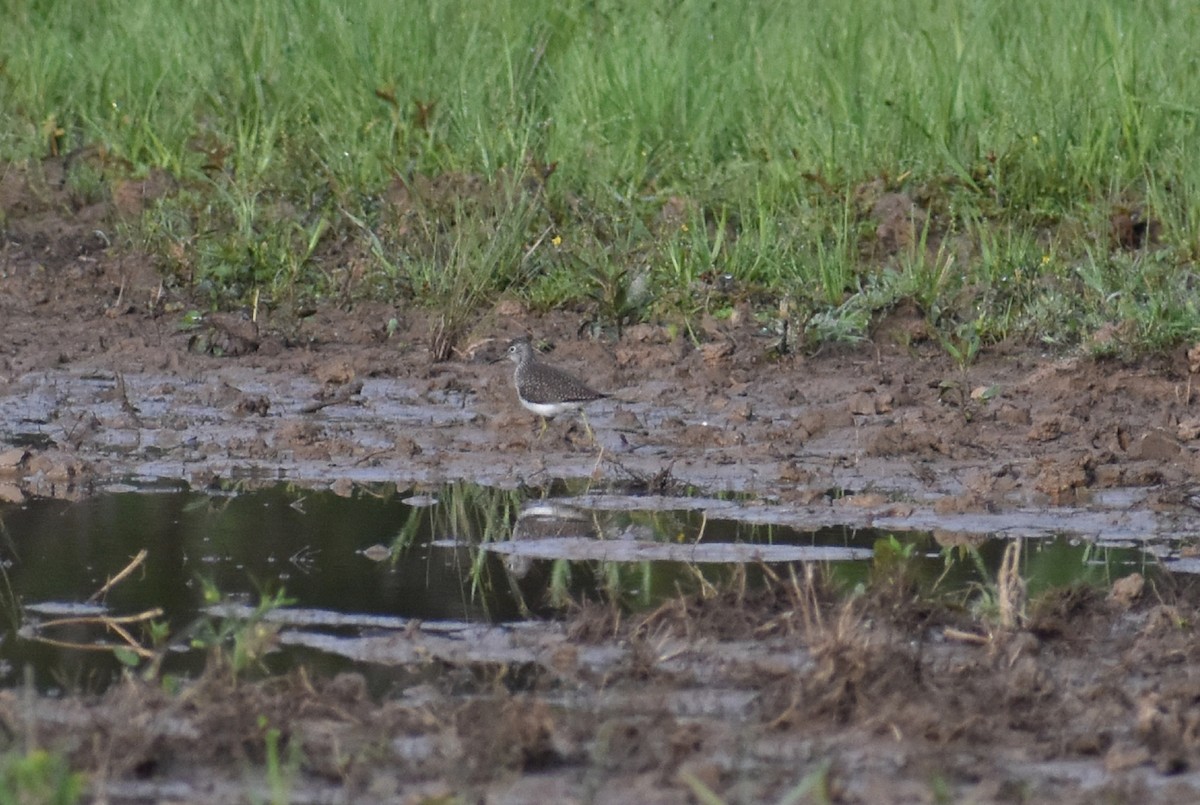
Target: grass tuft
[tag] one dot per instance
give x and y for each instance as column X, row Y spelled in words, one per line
column 1040, row 184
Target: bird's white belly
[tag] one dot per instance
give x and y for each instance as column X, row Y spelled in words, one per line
column 548, row 409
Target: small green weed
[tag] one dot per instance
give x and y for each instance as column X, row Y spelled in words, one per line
column 281, row 773
column 814, row 788
column 892, row 561
column 238, row 644
column 38, row 776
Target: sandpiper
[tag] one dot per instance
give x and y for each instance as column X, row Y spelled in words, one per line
column 547, row 390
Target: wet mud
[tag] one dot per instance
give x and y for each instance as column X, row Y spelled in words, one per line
column 746, row 694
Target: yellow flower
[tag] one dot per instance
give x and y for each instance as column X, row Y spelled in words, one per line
column 556, row 240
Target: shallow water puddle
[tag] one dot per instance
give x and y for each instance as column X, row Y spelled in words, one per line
column 462, row 556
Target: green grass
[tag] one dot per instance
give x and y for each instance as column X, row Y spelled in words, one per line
column 685, row 142
column 38, row 776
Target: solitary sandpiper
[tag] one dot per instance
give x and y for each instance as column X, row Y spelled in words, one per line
column 547, row 390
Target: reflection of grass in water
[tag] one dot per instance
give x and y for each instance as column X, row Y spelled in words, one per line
column 913, row 564
column 1046, row 563
column 1046, row 567
column 642, row 585
column 471, row 515
column 468, row 513
column 958, row 575
column 560, row 594
column 10, row 607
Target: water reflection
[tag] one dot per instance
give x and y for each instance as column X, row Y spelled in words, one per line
column 459, row 553
column 307, row 543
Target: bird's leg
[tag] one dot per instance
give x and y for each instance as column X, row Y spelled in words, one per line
column 586, row 427
column 542, row 432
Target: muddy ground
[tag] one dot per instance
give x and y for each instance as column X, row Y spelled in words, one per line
column 880, row 700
